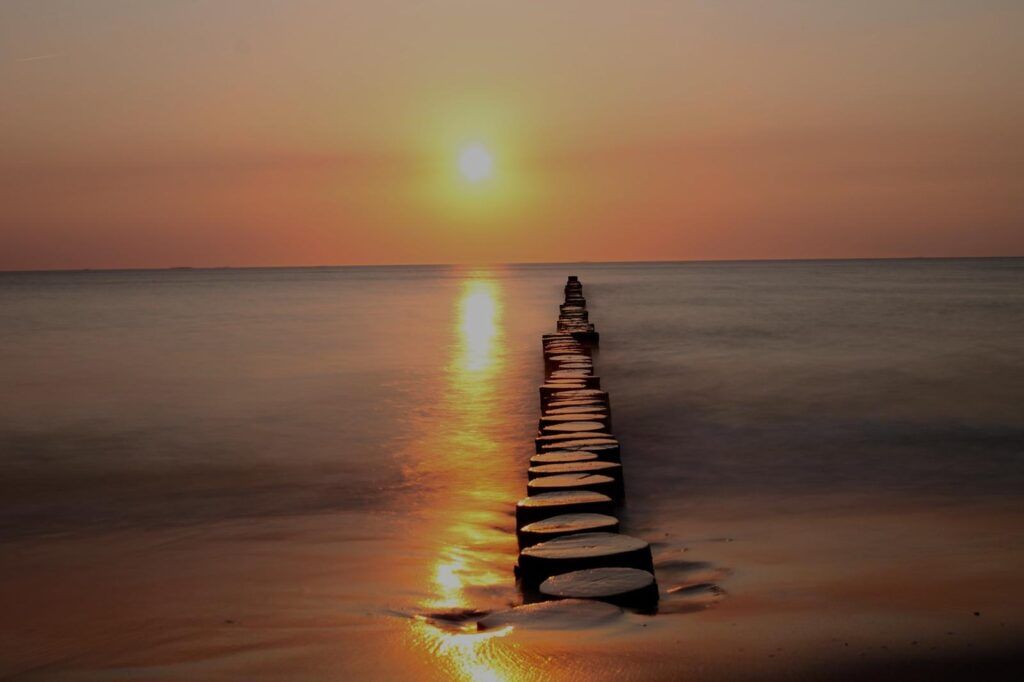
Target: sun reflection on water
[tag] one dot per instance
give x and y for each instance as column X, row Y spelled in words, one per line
column 474, row 556
column 468, row 655
column 478, row 314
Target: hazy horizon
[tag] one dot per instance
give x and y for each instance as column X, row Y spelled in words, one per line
column 497, row 264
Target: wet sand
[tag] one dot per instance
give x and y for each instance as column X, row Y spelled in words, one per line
column 750, row 592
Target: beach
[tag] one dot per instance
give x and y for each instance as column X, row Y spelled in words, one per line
column 310, row 473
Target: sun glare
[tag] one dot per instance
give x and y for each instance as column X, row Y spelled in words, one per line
column 473, row 174
column 475, row 163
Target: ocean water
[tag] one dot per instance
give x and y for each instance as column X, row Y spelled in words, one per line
column 799, row 433
column 152, row 397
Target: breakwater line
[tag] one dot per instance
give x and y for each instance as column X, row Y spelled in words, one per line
column 567, row 526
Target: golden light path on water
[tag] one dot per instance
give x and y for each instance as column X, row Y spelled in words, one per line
column 470, row 558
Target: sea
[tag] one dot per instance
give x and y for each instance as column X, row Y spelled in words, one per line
column 310, row 473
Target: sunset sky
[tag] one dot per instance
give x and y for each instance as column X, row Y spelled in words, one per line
column 300, row 132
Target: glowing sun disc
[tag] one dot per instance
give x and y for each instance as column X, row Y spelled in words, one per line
column 475, row 163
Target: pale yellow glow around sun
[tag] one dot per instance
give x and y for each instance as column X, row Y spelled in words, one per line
column 475, row 163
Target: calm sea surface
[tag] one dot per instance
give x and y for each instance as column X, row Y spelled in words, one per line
column 820, row 412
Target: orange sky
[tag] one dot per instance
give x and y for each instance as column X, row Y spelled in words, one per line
column 152, row 134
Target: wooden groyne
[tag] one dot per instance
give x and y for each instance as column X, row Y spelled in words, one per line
column 568, row 528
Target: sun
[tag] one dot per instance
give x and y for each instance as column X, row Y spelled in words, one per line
column 475, row 163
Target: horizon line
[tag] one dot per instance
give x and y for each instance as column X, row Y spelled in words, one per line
column 503, row 263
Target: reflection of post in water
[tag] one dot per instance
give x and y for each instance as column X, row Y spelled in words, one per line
column 472, row 556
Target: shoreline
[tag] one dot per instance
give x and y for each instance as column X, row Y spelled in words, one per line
column 160, row 601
